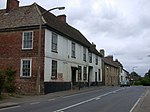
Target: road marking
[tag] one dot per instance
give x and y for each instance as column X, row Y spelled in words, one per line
column 83, row 102
column 10, row 108
column 79, row 94
column 135, row 104
column 97, row 98
column 33, row 103
column 138, row 101
column 51, row 99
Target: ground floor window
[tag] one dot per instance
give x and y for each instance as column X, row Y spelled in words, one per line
column 79, row 73
column 26, row 67
column 54, row 69
column 99, row 74
column 85, row 73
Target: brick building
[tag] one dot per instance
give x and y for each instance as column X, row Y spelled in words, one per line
column 67, row 57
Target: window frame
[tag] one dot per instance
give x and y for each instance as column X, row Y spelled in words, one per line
column 84, row 54
column 73, row 50
column 90, row 57
column 54, row 73
column 23, row 42
column 96, row 60
column 21, row 69
column 85, row 73
column 53, row 43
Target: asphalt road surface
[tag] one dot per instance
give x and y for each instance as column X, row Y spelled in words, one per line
column 115, row 99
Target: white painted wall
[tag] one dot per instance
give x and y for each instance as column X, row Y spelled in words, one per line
column 65, row 61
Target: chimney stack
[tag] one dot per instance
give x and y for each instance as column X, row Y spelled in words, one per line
column 11, row 4
column 93, row 44
column 110, row 57
column 102, row 51
column 62, row 18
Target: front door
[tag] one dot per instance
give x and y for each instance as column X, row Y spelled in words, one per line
column 73, row 69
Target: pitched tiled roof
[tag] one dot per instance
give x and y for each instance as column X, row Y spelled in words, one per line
column 111, row 63
column 28, row 16
column 19, row 17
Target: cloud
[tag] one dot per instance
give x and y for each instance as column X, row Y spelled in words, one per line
column 121, row 27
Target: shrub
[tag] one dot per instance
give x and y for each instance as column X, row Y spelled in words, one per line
column 9, row 81
column 145, row 81
column 2, row 81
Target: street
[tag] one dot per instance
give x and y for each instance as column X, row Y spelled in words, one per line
column 109, row 99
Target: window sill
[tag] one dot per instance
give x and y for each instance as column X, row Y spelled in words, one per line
column 25, row 77
column 73, row 57
column 54, row 51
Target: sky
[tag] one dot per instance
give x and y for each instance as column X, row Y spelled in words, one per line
column 120, row 27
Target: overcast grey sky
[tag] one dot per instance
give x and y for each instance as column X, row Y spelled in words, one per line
column 121, row 27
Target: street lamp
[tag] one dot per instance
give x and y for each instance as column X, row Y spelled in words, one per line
column 39, row 48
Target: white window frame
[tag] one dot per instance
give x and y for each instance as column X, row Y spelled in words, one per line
column 84, row 54
column 21, row 69
column 54, row 36
column 73, row 50
column 23, row 40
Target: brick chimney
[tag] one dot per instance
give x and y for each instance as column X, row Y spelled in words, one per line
column 110, row 57
column 11, row 4
column 102, row 51
column 62, row 18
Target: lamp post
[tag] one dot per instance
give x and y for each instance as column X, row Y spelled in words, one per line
column 39, row 48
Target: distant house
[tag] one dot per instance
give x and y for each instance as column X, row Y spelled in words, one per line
column 67, row 57
column 124, row 78
column 111, row 70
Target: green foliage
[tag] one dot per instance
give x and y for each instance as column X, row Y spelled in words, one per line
column 137, row 83
column 145, row 81
column 9, row 81
column 2, row 81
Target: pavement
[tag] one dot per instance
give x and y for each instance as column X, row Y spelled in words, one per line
column 141, row 106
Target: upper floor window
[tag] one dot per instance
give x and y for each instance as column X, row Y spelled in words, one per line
column 54, row 69
column 26, row 65
column 84, row 54
column 96, row 60
column 54, row 42
column 90, row 57
column 73, row 55
column 27, row 40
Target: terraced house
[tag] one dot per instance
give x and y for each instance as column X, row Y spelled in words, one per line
column 67, row 57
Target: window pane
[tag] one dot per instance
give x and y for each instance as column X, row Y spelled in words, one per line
column 27, row 40
column 26, row 68
column 54, row 42
column 54, row 69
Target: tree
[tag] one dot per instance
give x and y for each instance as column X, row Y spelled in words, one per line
column 147, row 75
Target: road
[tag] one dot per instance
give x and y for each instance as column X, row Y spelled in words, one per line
column 114, row 99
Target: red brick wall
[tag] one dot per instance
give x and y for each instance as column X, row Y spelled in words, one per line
column 11, row 54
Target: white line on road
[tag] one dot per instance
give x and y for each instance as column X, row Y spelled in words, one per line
column 135, row 104
column 33, row 103
column 138, row 101
column 10, row 108
column 86, row 101
column 51, row 99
